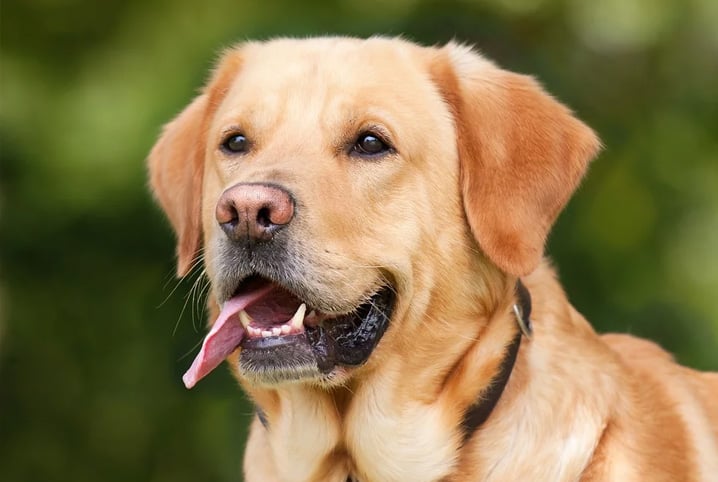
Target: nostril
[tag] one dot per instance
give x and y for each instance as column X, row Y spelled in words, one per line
column 264, row 217
column 229, row 222
column 233, row 215
column 227, row 213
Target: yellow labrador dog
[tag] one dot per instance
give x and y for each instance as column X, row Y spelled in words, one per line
column 372, row 216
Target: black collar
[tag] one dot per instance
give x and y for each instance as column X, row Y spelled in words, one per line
column 477, row 413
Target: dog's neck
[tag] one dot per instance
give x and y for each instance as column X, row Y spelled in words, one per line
column 469, row 373
column 480, row 411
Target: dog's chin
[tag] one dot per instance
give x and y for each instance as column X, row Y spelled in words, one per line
column 324, row 352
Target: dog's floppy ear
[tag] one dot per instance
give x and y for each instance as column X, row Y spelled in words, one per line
column 176, row 163
column 521, row 152
column 176, row 171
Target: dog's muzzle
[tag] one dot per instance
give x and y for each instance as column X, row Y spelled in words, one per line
column 282, row 339
column 266, row 310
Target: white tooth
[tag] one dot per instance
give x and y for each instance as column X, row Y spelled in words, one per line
column 276, row 331
column 250, row 331
column 312, row 314
column 266, row 333
column 245, row 319
column 297, row 320
column 286, row 329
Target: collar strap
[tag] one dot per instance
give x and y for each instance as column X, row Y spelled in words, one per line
column 479, row 412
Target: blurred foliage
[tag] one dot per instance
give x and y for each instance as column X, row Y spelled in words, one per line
column 91, row 346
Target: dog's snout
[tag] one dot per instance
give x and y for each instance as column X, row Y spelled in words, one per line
column 254, row 212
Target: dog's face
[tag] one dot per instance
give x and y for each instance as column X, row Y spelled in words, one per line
column 339, row 187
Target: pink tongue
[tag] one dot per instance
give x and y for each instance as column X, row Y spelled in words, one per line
column 224, row 337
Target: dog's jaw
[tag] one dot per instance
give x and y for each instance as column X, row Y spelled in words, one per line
column 304, row 347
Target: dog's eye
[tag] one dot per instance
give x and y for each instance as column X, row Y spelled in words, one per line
column 235, row 144
column 369, row 144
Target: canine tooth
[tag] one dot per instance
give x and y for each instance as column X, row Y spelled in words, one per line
column 298, row 319
column 266, row 333
column 312, row 314
column 276, row 331
column 245, row 319
column 286, row 329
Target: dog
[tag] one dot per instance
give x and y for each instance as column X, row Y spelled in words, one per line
column 371, row 215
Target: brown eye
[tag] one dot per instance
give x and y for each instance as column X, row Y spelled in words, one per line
column 368, row 144
column 235, row 144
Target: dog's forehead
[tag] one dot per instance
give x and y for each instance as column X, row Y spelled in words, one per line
column 282, row 77
column 337, row 60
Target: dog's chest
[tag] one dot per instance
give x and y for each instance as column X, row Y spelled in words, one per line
column 399, row 441
column 381, row 439
column 375, row 439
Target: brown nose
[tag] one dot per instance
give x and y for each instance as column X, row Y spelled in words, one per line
column 254, row 212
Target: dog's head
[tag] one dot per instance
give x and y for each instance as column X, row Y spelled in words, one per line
column 338, row 187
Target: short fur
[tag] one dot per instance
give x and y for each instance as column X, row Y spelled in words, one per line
column 484, row 162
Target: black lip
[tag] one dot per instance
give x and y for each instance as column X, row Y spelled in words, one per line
column 347, row 340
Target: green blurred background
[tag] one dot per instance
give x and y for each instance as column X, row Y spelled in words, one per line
column 93, row 336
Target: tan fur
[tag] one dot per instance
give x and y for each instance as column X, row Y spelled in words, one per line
column 484, row 162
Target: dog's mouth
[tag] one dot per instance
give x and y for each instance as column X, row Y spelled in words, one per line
column 282, row 338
